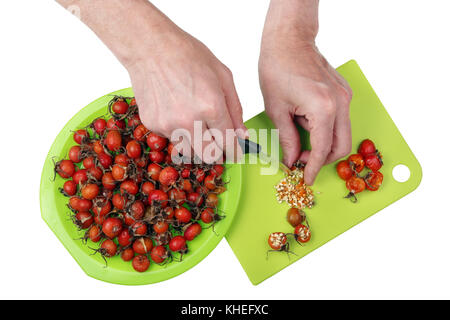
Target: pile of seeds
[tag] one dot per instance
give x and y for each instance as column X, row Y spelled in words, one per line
column 293, row 190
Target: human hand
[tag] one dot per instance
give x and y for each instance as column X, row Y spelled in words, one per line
column 299, row 86
column 176, row 79
column 181, row 82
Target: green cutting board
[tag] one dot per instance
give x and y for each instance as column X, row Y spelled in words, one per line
column 259, row 214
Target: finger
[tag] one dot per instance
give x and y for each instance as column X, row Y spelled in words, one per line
column 342, row 139
column 342, row 136
column 194, row 144
column 222, row 129
column 289, row 137
column 321, row 138
column 182, row 147
column 304, row 156
column 234, row 106
column 303, row 122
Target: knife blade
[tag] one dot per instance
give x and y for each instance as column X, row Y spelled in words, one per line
column 248, row 146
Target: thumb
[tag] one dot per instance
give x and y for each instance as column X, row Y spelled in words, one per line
column 289, row 137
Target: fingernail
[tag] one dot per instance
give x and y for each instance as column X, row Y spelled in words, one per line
column 308, row 180
column 287, row 163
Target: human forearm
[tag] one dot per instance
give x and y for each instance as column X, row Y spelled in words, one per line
column 297, row 18
column 130, row 36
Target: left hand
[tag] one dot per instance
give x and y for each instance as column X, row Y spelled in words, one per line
column 300, row 86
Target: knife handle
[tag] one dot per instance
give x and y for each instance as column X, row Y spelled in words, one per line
column 248, row 146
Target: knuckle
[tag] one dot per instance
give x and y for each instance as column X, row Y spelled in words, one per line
column 328, row 107
column 275, row 109
column 211, row 108
column 350, row 92
column 326, row 101
column 227, row 71
column 346, row 94
column 209, row 111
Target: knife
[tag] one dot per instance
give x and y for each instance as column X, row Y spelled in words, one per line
column 248, row 146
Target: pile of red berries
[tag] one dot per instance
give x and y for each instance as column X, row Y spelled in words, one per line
column 351, row 169
column 129, row 196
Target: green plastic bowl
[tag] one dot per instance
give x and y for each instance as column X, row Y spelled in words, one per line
column 56, row 214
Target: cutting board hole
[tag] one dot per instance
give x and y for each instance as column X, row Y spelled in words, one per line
column 401, row 173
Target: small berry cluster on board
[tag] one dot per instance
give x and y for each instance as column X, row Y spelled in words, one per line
column 129, row 196
column 351, row 170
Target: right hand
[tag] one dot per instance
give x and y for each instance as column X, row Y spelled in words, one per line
column 180, row 81
column 176, row 79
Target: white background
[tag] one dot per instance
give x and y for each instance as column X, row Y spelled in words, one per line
column 52, row 65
